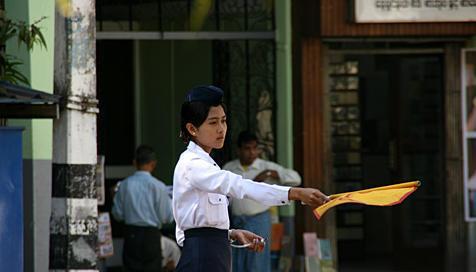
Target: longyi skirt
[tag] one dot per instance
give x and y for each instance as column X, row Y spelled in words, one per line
column 205, row 250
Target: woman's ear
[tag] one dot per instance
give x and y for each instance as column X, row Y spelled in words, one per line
column 191, row 129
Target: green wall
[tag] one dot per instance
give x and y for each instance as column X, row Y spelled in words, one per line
column 166, row 70
column 38, row 67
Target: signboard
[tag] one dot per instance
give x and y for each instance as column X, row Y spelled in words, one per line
column 401, row 11
column 105, row 246
column 468, row 101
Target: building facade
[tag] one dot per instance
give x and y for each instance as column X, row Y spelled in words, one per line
column 379, row 101
column 348, row 104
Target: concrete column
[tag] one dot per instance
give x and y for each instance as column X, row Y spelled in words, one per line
column 284, row 88
column 73, row 223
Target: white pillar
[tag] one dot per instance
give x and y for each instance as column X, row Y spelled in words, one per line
column 73, row 225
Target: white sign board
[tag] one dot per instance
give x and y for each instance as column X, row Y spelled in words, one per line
column 401, row 11
column 105, row 245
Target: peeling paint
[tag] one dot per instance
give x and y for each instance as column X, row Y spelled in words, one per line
column 74, row 180
column 73, row 252
column 73, row 223
column 83, row 252
column 59, row 225
column 73, row 216
column 75, row 138
column 83, row 226
column 75, row 46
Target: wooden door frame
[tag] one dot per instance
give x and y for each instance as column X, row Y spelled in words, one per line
column 456, row 242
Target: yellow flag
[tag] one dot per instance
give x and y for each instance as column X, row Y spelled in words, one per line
column 380, row 196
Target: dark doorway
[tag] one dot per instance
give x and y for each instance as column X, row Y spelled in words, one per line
column 400, row 102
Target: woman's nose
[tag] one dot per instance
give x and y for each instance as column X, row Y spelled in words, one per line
column 221, row 128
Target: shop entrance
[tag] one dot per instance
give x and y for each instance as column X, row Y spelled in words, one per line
column 387, row 123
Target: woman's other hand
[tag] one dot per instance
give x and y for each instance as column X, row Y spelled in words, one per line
column 247, row 237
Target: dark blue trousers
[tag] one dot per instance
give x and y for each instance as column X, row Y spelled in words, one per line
column 142, row 249
column 205, row 250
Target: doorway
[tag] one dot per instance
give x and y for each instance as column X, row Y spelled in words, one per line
column 140, row 102
column 389, row 108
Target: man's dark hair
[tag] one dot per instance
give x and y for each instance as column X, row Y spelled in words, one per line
column 144, row 154
column 245, row 137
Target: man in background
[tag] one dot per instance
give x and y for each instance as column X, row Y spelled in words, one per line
column 143, row 204
column 251, row 215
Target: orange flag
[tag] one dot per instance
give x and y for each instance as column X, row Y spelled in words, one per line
column 380, row 196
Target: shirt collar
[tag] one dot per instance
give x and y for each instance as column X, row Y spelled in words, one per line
column 253, row 165
column 194, row 148
column 140, row 172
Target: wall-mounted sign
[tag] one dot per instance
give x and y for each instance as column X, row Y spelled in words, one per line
column 105, row 245
column 401, row 11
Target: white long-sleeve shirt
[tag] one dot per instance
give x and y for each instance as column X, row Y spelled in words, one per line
column 248, row 206
column 200, row 189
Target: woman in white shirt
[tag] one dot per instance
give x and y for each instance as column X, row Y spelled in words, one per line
column 200, row 188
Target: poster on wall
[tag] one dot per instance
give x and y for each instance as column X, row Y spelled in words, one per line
column 105, row 245
column 468, row 86
column 405, row 11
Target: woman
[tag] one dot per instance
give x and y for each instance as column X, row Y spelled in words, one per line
column 200, row 189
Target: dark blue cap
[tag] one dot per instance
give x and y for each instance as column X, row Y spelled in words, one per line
column 207, row 94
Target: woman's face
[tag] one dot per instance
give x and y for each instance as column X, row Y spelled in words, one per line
column 211, row 134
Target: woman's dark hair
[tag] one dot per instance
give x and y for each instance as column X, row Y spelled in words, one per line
column 196, row 113
column 198, row 102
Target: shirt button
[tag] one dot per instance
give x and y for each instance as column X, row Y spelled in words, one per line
column 214, row 164
column 219, row 199
column 283, row 202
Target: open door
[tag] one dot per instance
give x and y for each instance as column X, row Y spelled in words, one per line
column 400, row 106
column 416, row 150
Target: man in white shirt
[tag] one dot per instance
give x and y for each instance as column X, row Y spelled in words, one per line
column 248, row 214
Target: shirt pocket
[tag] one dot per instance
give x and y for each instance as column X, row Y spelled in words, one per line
column 217, row 209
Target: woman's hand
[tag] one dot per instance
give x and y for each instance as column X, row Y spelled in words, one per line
column 309, row 196
column 247, row 237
